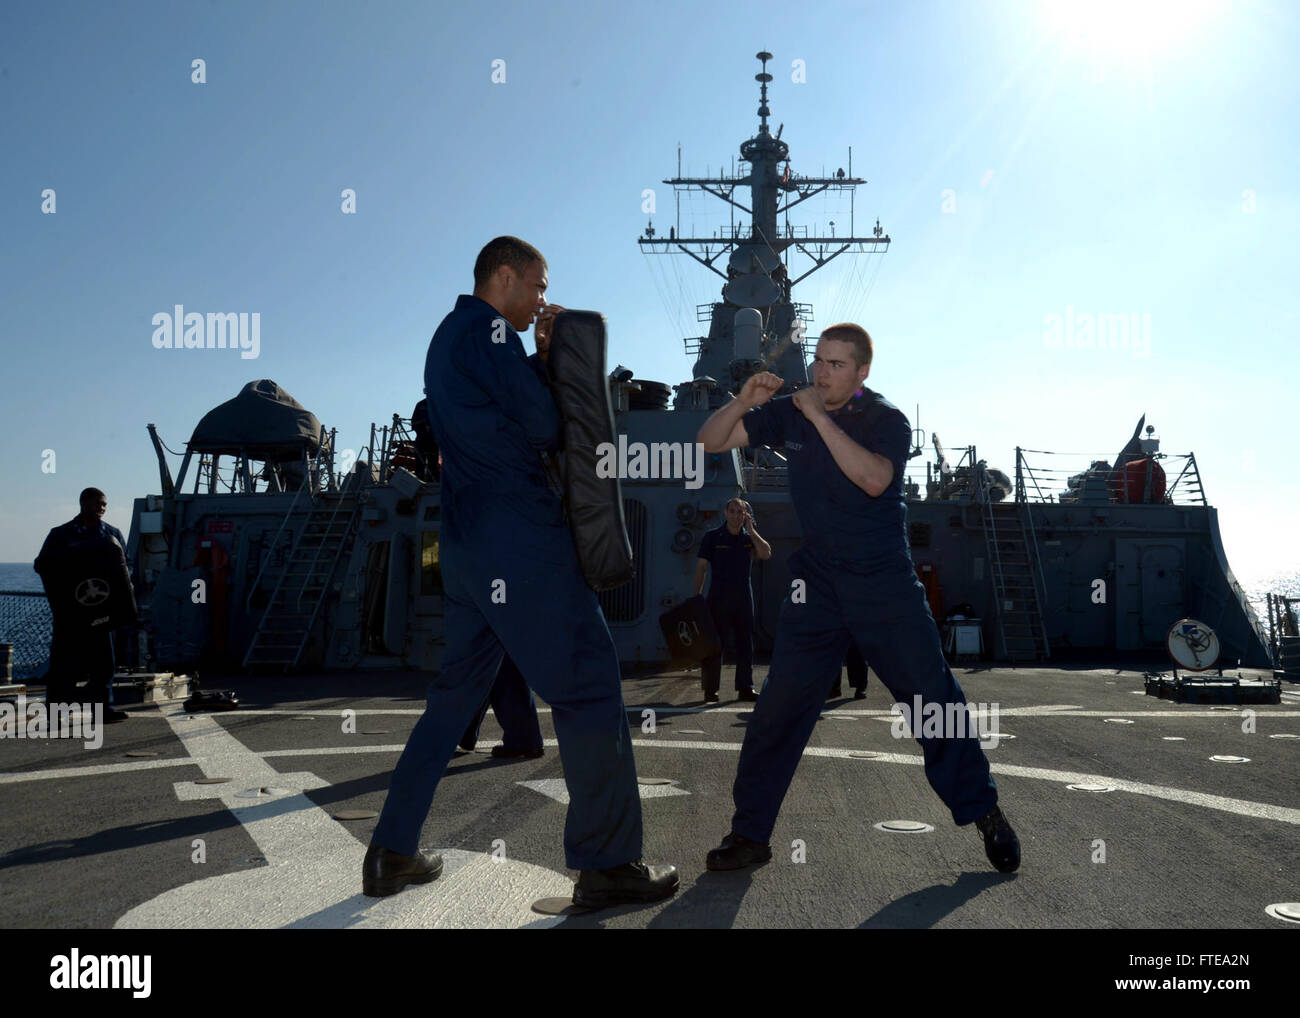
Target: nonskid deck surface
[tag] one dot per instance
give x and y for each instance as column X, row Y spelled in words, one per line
column 97, row 838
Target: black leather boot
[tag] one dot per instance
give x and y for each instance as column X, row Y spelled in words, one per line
column 384, row 872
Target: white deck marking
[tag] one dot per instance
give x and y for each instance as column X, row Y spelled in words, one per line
column 92, row 769
column 555, row 788
column 1242, row 807
column 313, row 873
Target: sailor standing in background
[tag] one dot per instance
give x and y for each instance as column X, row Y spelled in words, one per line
column 515, row 708
column 512, row 584
column 77, row 651
column 730, row 549
column 857, row 669
column 854, row 582
column 427, row 463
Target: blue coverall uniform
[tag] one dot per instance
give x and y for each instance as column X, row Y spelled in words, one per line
column 512, row 583
column 78, row 652
column 858, row 585
column 511, row 700
column 731, row 602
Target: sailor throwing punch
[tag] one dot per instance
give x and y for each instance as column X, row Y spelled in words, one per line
column 853, row 583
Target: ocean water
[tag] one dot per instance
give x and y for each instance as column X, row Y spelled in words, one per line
column 1256, row 588
column 19, row 576
column 24, row 621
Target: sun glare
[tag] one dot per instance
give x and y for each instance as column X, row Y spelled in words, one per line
column 1132, row 30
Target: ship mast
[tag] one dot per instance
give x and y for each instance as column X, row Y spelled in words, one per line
column 757, row 326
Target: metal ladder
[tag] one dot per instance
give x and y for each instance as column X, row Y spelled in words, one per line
column 326, row 535
column 1013, row 552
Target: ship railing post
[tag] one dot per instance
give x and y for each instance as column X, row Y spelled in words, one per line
column 1196, row 473
column 385, row 449
column 1272, row 634
column 329, row 463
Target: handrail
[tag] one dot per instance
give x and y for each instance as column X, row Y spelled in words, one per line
column 1022, row 466
column 340, row 543
column 995, row 557
column 330, row 536
column 257, row 580
column 1186, row 484
column 1194, row 481
column 1041, row 593
column 1030, row 538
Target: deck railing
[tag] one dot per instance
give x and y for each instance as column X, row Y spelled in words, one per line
column 1065, row 477
column 27, row 623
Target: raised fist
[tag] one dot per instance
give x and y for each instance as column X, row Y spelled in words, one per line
column 759, row 388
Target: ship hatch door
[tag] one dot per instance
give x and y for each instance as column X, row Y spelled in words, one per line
column 1149, row 591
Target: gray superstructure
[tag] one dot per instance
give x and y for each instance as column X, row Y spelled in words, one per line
column 303, row 564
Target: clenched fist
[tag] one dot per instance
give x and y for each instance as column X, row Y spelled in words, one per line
column 542, row 328
column 808, row 401
column 759, row 388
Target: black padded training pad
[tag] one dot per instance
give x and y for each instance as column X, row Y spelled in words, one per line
column 689, row 630
column 576, row 366
column 89, row 585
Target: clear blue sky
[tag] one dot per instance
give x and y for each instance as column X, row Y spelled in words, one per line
column 1114, row 158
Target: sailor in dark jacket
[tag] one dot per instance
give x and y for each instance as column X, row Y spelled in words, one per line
column 853, row 582
column 79, row 651
column 512, row 584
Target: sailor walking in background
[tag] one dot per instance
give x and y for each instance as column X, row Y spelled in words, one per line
column 512, row 584
column 853, row 583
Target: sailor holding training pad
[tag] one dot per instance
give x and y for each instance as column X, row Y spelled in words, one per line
column 512, row 584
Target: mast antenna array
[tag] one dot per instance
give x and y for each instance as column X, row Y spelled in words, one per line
column 773, row 191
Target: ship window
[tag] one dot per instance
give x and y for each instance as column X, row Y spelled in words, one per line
column 430, row 566
column 918, row 535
